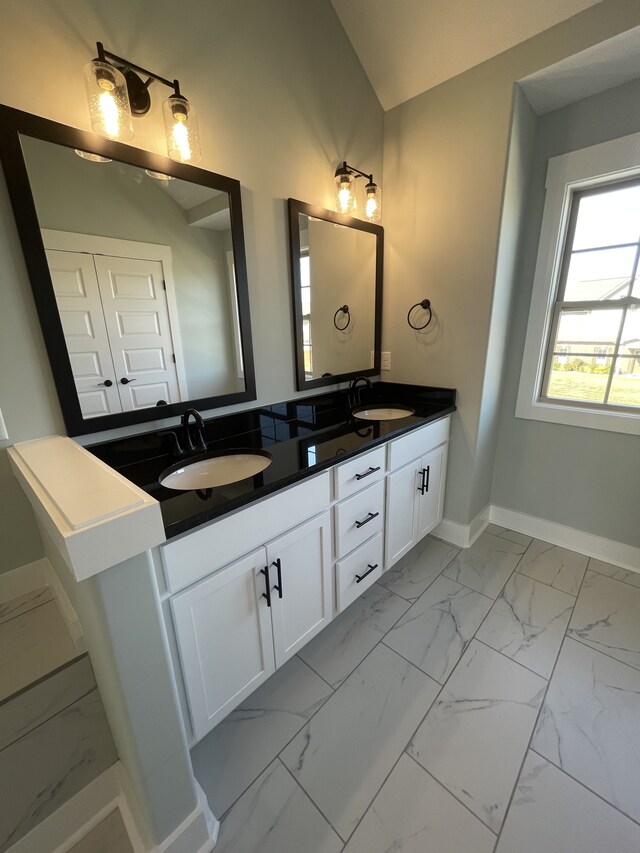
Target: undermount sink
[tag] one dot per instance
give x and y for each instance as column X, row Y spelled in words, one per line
column 382, row 413
column 219, row 469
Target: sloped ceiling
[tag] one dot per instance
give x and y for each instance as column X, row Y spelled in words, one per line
column 409, row 46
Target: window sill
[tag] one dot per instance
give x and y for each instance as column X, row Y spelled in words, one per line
column 556, row 413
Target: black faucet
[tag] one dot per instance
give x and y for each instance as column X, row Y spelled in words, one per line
column 354, row 394
column 187, row 442
column 187, row 445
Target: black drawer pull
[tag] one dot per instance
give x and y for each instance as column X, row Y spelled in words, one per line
column 266, row 594
column 278, row 586
column 371, row 569
column 369, row 518
column 367, row 473
column 427, row 470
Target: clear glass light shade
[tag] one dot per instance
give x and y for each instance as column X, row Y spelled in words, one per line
column 372, row 202
column 108, row 101
column 345, row 194
column 89, row 155
column 181, row 126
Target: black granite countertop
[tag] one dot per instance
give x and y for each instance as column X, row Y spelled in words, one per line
column 303, row 436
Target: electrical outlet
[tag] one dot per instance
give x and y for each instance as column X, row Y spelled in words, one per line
column 4, row 435
column 386, row 361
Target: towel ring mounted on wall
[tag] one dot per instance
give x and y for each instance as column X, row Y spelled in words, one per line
column 426, row 304
column 344, row 309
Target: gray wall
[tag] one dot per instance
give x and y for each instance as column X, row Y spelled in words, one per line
column 584, row 478
column 447, row 152
column 269, row 115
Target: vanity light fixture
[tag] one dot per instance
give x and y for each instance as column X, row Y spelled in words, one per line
column 116, row 91
column 345, row 178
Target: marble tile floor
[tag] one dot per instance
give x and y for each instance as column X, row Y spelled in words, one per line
column 483, row 701
column 34, row 640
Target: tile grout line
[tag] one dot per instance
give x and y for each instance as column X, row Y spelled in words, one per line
column 451, row 794
column 48, row 719
column 403, row 751
column 308, row 665
column 312, row 801
column 606, row 654
column 586, row 787
column 620, row 580
column 29, row 611
column 535, row 725
column 277, row 755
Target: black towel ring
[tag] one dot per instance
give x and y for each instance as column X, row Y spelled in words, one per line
column 426, row 304
column 344, row 309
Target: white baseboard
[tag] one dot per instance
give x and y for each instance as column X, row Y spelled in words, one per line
column 110, row 791
column 22, row 580
column 617, row 553
column 462, row 535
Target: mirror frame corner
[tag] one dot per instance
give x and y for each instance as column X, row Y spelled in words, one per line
column 15, row 122
column 296, row 207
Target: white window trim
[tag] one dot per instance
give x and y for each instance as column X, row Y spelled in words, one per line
column 588, row 167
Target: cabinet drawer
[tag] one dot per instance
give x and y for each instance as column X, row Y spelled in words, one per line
column 409, row 447
column 357, row 474
column 358, row 518
column 203, row 551
column 358, row 566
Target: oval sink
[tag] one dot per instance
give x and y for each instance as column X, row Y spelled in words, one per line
column 207, row 472
column 382, row 413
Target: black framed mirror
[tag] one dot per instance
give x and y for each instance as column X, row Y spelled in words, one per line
column 138, row 271
column 336, row 275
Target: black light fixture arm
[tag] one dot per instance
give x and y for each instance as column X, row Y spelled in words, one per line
column 345, row 168
column 125, row 65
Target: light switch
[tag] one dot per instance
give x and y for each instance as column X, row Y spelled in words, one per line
column 386, row 361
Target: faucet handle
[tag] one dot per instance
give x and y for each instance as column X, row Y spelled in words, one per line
column 177, row 449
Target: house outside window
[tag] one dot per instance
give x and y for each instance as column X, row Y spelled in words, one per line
column 582, row 354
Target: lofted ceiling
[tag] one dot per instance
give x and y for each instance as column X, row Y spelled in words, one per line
column 409, row 46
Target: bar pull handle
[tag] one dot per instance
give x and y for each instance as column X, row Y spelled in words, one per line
column 427, row 471
column 421, row 487
column 367, row 473
column 267, row 593
column 278, row 586
column 370, row 569
column 369, row 518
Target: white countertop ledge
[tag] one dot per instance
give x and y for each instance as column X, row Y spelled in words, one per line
column 96, row 517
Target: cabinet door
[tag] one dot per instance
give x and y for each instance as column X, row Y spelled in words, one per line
column 224, row 638
column 402, row 491
column 430, row 497
column 301, row 595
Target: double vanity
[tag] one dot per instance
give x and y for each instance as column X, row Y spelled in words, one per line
column 253, row 569
column 201, row 557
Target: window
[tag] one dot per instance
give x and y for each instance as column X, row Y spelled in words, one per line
column 305, row 293
column 582, row 353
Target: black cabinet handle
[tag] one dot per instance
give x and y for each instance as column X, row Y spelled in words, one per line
column 267, row 593
column 367, row 473
column 125, row 381
column 278, row 586
column 107, row 382
column 370, row 569
column 426, row 471
column 369, row 518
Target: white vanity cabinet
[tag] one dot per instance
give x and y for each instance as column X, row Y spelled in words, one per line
column 299, row 566
column 238, row 618
column 415, row 488
column 235, row 626
column 224, row 636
